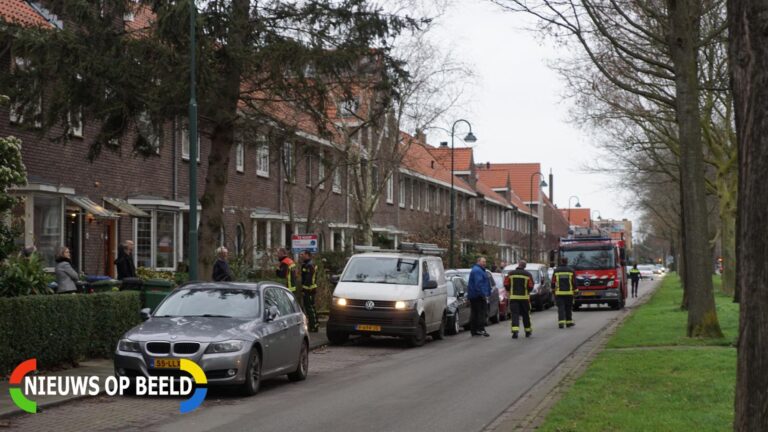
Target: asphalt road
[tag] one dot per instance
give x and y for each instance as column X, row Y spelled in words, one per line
column 459, row 384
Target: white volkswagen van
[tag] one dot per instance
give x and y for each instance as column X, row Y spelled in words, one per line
column 392, row 293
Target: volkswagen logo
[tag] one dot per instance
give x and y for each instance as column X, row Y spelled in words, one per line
column 370, row 305
column 587, row 282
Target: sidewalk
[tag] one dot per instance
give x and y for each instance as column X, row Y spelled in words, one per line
column 101, row 368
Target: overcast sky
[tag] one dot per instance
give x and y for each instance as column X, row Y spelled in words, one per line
column 517, row 109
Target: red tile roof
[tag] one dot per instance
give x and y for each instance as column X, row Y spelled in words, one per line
column 519, row 177
column 493, row 178
column 21, row 13
column 579, row 216
column 462, row 157
column 419, row 159
column 490, row 194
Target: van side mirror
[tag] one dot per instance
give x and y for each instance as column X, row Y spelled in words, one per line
column 272, row 313
column 145, row 314
column 335, row 279
column 430, row 284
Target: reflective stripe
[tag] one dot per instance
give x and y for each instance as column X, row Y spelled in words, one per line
column 515, row 293
column 514, row 328
column 568, row 275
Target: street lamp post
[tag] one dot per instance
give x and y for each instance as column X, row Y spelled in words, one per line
column 192, row 134
column 530, row 234
column 599, row 217
column 578, row 205
column 470, row 138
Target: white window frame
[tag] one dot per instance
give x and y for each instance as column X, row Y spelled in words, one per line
column 413, row 190
column 321, row 170
column 308, row 169
column 239, row 157
column 185, row 143
column 390, row 189
column 349, row 107
column 437, row 201
column 401, row 192
column 153, row 237
column 286, row 160
column 262, row 159
column 336, row 188
column 76, row 125
column 426, row 197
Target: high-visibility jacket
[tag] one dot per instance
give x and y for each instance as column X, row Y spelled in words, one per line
column 308, row 275
column 519, row 283
column 634, row 274
column 563, row 279
column 287, row 270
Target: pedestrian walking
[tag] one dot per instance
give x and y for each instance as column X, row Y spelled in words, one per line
column 519, row 283
column 564, row 281
column 221, row 270
column 634, row 275
column 66, row 276
column 478, row 291
column 286, row 269
column 124, row 262
column 309, row 288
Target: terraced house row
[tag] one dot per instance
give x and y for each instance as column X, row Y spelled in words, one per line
column 277, row 186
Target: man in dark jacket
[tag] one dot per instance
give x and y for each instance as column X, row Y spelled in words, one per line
column 221, row 271
column 519, row 283
column 309, row 287
column 564, row 282
column 124, row 262
column 478, row 291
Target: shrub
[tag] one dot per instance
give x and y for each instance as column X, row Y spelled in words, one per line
column 61, row 329
column 21, row 276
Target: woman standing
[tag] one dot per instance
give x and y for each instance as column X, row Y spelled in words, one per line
column 66, row 276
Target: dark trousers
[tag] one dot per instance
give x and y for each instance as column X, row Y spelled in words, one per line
column 478, row 311
column 309, row 307
column 520, row 308
column 564, row 309
column 635, row 283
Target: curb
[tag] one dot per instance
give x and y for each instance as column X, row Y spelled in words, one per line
column 528, row 412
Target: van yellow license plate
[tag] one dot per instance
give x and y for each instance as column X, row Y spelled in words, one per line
column 168, row 363
column 365, row 327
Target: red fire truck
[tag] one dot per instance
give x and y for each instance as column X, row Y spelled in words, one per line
column 599, row 261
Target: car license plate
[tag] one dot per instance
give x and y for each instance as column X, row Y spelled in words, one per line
column 168, row 363
column 588, row 293
column 365, row 327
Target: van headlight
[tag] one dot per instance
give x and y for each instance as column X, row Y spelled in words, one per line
column 340, row 301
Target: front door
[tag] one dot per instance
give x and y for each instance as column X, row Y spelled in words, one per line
column 72, row 236
column 110, row 246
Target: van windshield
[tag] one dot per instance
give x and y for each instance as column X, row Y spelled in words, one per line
column 593, row 259
column 387, row 270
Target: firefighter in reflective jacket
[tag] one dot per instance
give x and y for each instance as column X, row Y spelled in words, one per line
column 519, row 284
column 286, row 269
column 563, row 279
column 309, row 287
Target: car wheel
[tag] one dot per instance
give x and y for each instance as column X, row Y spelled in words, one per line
column 420, row 338
column 440, row 333
column 337, row 338
column 495, row 318
column 253, row 374
column 454, row 326
column 300, row 374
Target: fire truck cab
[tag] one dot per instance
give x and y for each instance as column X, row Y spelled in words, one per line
column 599, row 262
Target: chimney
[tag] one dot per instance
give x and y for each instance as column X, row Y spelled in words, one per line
column 421, row 136
column 551, row 186
column 487, row 165
column 443, row 144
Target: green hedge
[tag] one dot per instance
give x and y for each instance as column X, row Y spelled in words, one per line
column 61, row 329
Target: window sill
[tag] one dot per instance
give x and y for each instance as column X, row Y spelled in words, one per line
column 262, row 174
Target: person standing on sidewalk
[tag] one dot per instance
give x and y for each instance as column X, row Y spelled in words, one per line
column 221, row 271
column 519, row 283
column 634, row 275
column 478, row 291
column 564, row 281
column 309, row 287
column 286, row 270
column 124, row 261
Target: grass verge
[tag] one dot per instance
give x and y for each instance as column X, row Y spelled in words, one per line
column 669, row 383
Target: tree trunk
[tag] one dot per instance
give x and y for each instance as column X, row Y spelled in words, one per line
column 212, row 201
column 748, row 54
column 728, row 240
column 685, row 16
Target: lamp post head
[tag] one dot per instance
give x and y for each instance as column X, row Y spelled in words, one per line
column 578, row 205
column 470, row 138
column 543, row 184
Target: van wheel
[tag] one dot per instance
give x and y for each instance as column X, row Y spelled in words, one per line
column 420, row 338
column 440, row 333
column 300, row 374
column 253, row 374
column 336, row 338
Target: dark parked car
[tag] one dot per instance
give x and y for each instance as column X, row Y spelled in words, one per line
column 458, row 305
column 542, row 296
column 238, row 333
column 493, row 306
